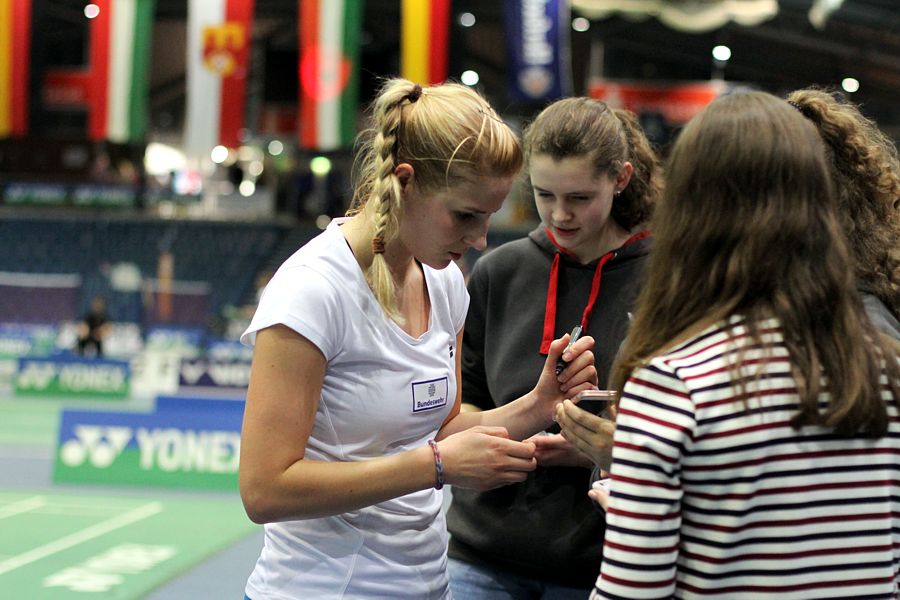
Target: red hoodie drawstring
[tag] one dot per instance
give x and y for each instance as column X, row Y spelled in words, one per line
column 550, row 310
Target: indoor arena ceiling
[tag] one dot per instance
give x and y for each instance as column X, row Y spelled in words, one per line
column 860, row 39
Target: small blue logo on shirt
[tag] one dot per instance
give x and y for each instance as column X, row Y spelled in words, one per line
column 431, row 394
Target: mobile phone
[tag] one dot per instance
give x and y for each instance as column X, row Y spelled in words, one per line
column 595, row 401
column 602, row 484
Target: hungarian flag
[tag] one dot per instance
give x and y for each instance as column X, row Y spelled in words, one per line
column 218, row 46
column 15, row 43
column 119, row 70
column 425, row 32
column 329, row 32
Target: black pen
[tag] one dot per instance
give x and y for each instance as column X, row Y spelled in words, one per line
column 573, row 337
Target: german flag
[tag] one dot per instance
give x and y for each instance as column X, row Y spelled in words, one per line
column 425, row 33
column 15, row 43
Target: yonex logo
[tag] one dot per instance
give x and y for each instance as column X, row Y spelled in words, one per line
column 36, row 375
column 43, row 375
column 95, row 444
column 225, row 374
column 166, row 448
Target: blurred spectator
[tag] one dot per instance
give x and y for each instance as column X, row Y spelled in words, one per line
column 93, row 328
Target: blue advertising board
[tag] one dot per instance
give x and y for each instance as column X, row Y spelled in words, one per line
column 186, row 443
column 73, row 376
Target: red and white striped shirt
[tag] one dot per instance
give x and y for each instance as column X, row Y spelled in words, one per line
column 714, row 495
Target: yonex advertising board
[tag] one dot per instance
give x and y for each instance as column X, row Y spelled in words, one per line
column 27, row 339
column 213, row 374
column 67, row 377
column 186, row 443
column 186, row 341
column 228, row 350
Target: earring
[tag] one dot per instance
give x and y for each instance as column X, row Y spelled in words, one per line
column 617, row 193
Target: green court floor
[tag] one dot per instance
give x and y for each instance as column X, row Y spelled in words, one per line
column 66, row 541
column 61, row 545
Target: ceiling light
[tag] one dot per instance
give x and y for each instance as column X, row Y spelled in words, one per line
column 580, row 24
column 466, row 19
column 850, row 85
column 721, row 53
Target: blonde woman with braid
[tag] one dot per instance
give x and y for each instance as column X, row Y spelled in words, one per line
column 353, row 423
column 595, row 179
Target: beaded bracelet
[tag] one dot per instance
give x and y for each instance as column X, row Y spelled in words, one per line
column 438, row 465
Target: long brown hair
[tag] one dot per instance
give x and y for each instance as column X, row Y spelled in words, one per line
column 748, row 226
column 866, row 172
column 575, row 127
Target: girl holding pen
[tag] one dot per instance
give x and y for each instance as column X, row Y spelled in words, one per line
column 595, row 179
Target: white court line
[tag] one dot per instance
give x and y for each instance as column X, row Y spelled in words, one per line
column 71, row 505
column 141, row 512
column 17, row 508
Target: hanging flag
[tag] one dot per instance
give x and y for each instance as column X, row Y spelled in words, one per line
column 218, row 48
column 15, row 43
column 425, row 33
column 328, row 66
column 538, row 59
column 119, row 70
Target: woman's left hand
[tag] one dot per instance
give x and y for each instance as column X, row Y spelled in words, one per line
column 599, row 493
column 591, row 434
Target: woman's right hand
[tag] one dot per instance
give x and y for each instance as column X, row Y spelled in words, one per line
column 484, row 458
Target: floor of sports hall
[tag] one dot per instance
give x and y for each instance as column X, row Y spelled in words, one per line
column 61, row 541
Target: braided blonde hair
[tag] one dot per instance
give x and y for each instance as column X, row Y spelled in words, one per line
column 450, row 136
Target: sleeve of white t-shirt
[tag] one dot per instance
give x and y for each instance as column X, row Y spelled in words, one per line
column 306, row 302
column 459, row 296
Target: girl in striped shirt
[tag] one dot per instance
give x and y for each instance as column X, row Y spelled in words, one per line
column 757, row 445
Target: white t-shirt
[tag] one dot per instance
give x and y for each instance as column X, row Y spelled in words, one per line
column 384, row 392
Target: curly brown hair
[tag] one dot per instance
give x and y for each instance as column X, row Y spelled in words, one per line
column 866, row 172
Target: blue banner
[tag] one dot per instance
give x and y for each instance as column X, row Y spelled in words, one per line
column 538, row 56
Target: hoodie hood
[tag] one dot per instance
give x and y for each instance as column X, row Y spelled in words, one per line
column 637, row 244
